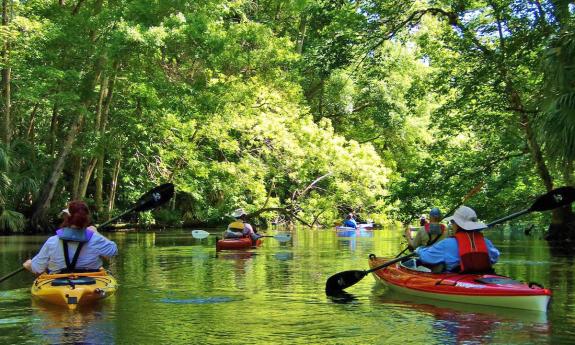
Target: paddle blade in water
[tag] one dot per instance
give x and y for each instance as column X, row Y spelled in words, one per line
column 339, row 281
column 553, row 199
column 200, row 234
column 155, row 197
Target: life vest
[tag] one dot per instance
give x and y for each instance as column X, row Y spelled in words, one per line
column 67, row 235
column 437, row 229
column 473, row 253
column 237, row 226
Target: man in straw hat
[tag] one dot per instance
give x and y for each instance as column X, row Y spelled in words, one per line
column 428, row 233
column 240, row 228
column 467, row 251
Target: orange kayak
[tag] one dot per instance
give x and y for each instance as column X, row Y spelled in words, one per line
column 484, row 289
column 237, row 243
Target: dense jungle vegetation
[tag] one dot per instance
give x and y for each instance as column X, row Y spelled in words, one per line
column 306, row 108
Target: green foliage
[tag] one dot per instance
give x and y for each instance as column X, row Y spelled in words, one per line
column 559, row 122
column 168, row 217
column 395, row 105
column 11, row 221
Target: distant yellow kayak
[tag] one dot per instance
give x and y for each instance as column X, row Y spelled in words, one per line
column 74, row 289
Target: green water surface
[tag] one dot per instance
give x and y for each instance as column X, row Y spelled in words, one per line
column 176, row 290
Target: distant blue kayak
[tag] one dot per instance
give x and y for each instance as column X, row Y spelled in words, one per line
column 366, row 226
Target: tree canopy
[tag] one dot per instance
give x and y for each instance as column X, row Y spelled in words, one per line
column 301, row 109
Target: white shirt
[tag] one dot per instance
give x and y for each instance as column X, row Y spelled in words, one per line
column 51, row 255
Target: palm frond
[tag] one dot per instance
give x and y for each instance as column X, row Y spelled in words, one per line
column 559, row 127
column 12, row 221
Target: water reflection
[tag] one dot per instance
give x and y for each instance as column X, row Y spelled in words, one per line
column 175, row 289
column 92, row 325
column 283, row 256
column 348, row 238
column 458, row 323
column 343, row 297
column 198, row 300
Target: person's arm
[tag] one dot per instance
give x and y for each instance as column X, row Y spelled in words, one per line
column 407, row 234
column 39, row 263
column 248, row 230
column 421, row 238
column 493, row 252
column 434, row 254
column 104, row 247
column 28, row 265
column 93, row 229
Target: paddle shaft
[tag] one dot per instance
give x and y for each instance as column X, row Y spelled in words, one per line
column 11, row 274
column 201, row 234
column 511, row 216
column 108, row 222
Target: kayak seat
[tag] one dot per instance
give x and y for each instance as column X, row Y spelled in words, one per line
column 497, row 281
column 77, row 281
column 412, row 265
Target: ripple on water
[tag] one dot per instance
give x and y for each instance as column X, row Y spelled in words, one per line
column 12, row 320
column 199, row 300
column 14, row 295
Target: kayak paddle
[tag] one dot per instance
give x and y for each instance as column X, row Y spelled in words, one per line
column 152, row 199
column 201, row 234
column 548, row 201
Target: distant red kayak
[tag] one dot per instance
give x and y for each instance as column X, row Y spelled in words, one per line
column 484, row 289
column 237, row 243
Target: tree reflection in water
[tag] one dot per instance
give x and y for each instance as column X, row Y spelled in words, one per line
column 458, row 323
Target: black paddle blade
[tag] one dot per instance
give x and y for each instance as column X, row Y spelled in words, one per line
column 339, row 281
column 553, row 199
column 155, row 197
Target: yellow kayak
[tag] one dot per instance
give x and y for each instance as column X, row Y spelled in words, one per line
column 74, row 289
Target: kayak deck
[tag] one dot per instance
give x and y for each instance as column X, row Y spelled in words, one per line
column 483, row 289
column 74, row 289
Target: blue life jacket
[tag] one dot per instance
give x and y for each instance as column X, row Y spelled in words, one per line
column 73, row 235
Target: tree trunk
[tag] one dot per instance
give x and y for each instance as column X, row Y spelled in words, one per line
column 53, row 130
column 98, row 196
column 86, row 178
column 101, row 124
column 6, row 125
column 534, row 148
column 568, row 173
column 77, row 167
column 302, row 31
column 559, row 230
column 42, row 204
column 77, row 7
column 113, row 186
column 31, row 123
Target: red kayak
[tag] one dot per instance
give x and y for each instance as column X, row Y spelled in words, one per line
column 237, row 243
column 484, row 289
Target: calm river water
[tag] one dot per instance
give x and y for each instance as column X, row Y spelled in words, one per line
column 176, row 290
